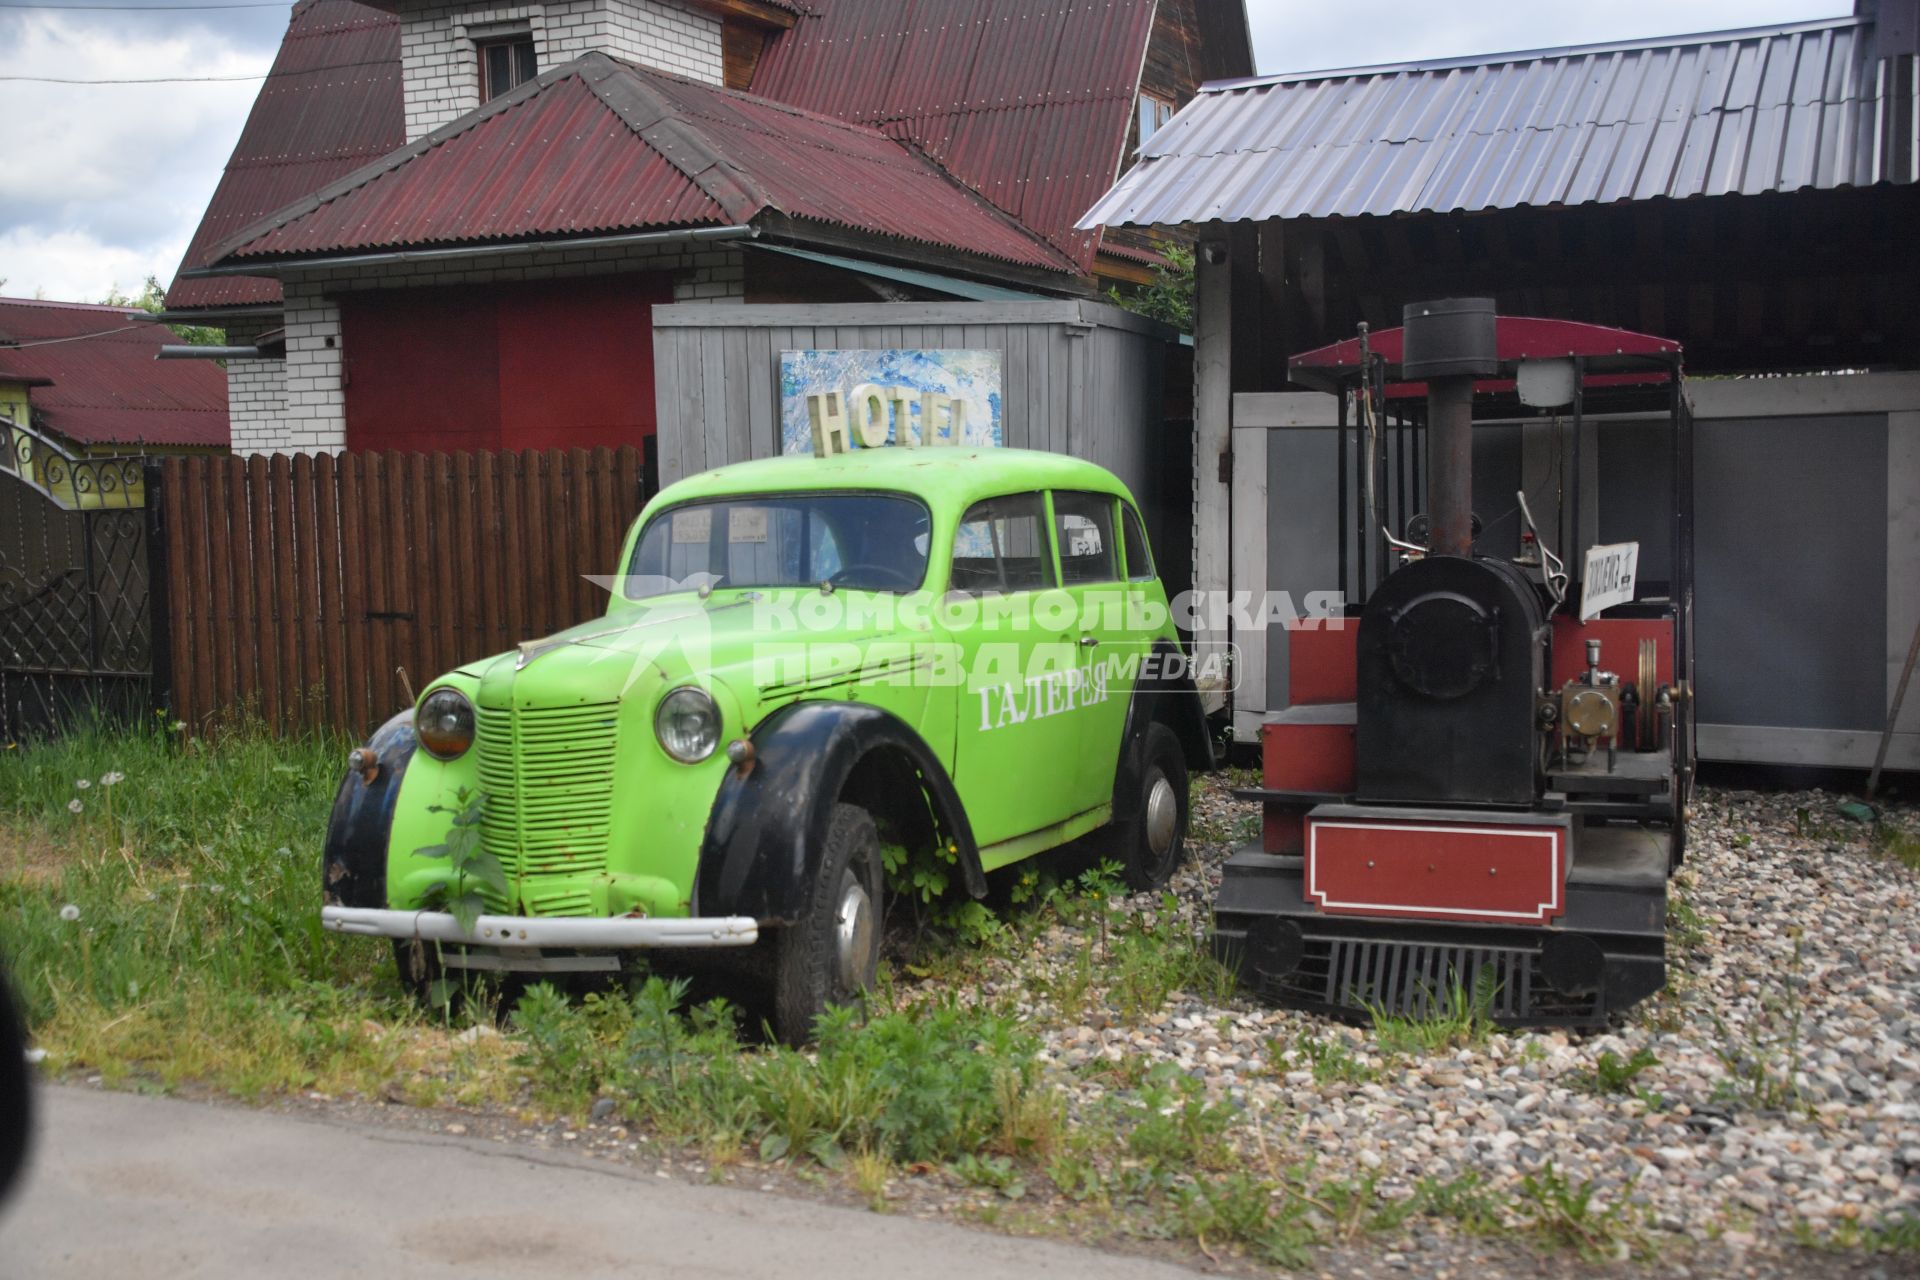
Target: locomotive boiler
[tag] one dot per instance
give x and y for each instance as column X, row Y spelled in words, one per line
column 1479, row 791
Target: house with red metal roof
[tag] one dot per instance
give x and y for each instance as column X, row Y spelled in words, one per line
column 85, row 378
column 459, row 217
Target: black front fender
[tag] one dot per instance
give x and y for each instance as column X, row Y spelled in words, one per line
column 362, row 819
column 770, row 819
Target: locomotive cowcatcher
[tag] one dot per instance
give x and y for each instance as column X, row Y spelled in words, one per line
column 1475, row 793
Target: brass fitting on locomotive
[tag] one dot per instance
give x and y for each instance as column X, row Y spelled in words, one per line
column 1589, row 709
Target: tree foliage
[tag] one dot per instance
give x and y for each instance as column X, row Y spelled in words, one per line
column 152, row 300
column 1169, row 298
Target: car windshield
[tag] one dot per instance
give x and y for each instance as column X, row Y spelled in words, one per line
column 856, row 541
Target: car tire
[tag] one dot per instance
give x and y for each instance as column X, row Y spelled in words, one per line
column 829, row 956
column 1154, row 840
column 16, row 1092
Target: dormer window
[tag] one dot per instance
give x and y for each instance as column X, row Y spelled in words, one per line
column 1154, row 113
column 505, row 64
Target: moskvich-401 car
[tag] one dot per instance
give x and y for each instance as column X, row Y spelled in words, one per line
column 809, row 665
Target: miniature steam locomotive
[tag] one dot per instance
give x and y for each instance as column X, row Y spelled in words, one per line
column 1476, row 794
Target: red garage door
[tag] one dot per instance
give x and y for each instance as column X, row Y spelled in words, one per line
column 504, row 366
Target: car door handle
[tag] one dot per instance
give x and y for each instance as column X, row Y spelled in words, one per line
column 1087, row 642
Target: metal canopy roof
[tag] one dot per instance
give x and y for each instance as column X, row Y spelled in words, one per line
column 1756, row 110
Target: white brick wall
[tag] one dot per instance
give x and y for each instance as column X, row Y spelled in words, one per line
column 256, row 393
column 300, row 406
column 442, row 70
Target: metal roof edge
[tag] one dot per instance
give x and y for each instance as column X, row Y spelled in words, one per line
column 1074, row 311
column 1535, row 55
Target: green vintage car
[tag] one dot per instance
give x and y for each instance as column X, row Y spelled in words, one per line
column 809, row 666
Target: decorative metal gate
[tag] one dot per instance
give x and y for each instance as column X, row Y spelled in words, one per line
column 76, row 627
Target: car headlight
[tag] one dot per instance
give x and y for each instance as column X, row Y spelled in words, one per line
column 444, row 724
column 688, row 725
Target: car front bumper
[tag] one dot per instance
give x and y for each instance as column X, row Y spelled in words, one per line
column 616, row 933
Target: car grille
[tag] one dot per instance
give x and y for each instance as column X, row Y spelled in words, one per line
column 548, row 779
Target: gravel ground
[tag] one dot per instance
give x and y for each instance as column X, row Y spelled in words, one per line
column 1786, row 1086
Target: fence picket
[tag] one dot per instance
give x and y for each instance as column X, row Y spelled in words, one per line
column 297, row 586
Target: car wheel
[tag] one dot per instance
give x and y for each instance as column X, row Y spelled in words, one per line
column 1155, row 839
column 16, row 1095
column 829, row 956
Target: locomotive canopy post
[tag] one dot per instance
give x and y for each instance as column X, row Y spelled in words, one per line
column 1477, row 787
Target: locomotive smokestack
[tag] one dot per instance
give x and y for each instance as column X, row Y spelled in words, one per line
column 1449, row 343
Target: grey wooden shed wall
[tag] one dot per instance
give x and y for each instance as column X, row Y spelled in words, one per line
column 1080, row 378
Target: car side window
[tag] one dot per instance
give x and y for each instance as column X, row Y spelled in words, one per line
column 1083, row 522
column 1001, row 545
column 1139, row 559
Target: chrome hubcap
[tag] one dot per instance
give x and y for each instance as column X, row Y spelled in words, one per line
column 1163, row 816
column 853, row 931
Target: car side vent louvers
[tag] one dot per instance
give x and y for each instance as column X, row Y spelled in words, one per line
column 548, row 777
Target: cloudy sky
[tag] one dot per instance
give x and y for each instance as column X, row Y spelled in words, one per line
column 101, row 185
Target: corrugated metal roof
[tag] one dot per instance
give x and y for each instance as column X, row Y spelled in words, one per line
column 330, row 104
column 102, row 383
column 1757, row 110
column 597, row 145
column 1026, row 101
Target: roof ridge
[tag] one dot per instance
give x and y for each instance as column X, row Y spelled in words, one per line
column 660, row 123
column 1467, row 61
column 55, row 303
column 1016, row 224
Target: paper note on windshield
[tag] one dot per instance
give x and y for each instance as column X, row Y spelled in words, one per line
column 692, row 528
column 747, row 524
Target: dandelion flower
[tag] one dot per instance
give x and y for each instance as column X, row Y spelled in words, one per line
column 111, row 777
column 70, row 913
column 81, row 784
column 74, row 805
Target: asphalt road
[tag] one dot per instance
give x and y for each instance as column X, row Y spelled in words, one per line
column 157, row 1188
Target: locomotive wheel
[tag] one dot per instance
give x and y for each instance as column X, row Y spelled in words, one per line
column 1154, row 841
column 830, row 955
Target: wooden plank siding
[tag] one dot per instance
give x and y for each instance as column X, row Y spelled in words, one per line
column 1077, row 377
column 301, row 587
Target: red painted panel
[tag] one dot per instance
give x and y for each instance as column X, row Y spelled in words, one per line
column 1307, row 757
column 576, row 362
column 1619, row 646
column 1437, row 871
column 1301, row 757
column 1320, row 663
column 533, row 365
column 421, row 369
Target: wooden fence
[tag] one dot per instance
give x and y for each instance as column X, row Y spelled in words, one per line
column 297, row 588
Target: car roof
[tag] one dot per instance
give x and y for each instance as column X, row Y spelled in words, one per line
column 941, row 476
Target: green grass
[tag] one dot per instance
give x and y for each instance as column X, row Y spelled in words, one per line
column 169, row 926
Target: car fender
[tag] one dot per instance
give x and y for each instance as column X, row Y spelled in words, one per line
column 771, row 815
column 1172, row 700
column 362, row 819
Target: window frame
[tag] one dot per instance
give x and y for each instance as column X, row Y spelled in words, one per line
column 483, row 47
column 1131, row 519
column 1049, row 557
column 1115, row 561
column 1163, row 112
